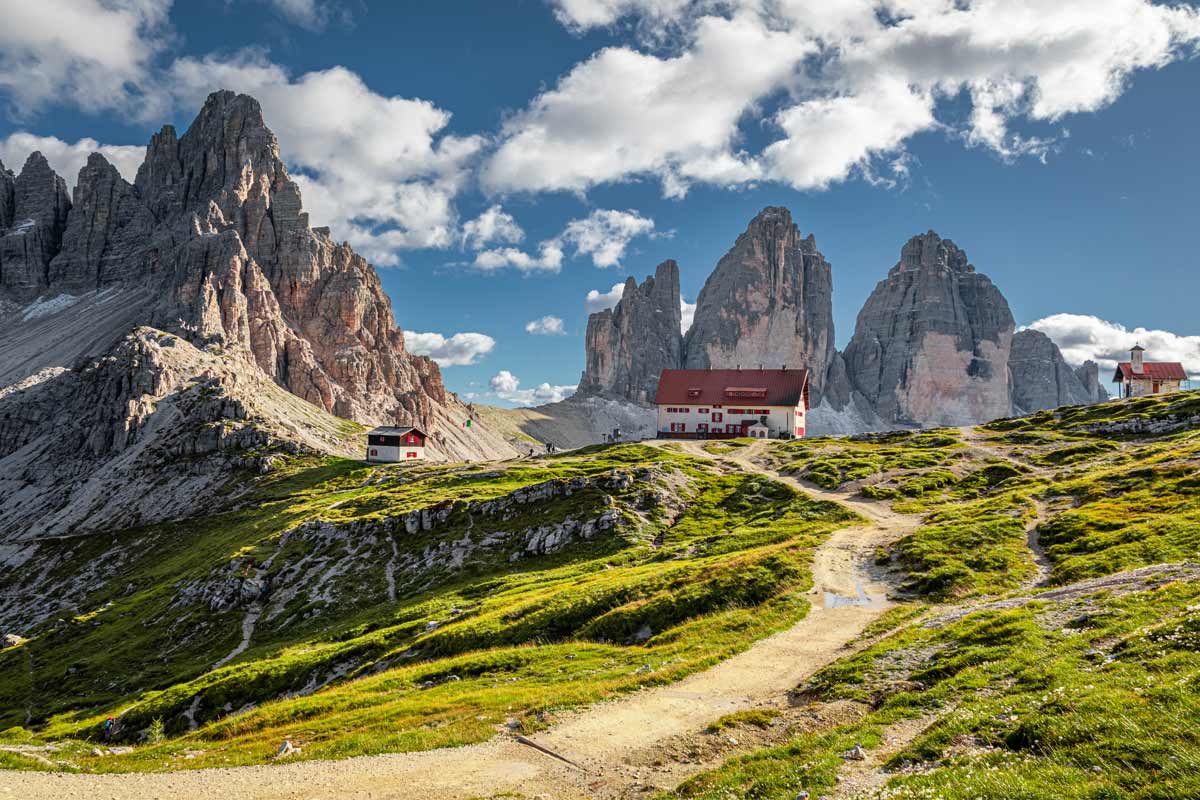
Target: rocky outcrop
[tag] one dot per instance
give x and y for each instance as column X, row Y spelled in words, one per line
column 768, row 302
column 148, row 432
column 1088, row 374
column 931, row 345
column 213, row 233
column 1041, row 378
column 33, row 235
column 629, row 345
column 105, row 241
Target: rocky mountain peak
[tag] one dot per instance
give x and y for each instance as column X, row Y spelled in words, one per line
column 33, row 207
column 768, row 301
column 930, row 251
column 629, row 345
column 211, row 243
column 931, row 344
column 1041, row 378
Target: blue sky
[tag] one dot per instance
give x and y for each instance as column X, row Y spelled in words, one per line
column 1055, row 142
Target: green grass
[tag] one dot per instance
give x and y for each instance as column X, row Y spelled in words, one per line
column 700, row 566
column 1022, row 705
column 833, row 462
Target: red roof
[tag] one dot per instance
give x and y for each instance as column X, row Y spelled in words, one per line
column 1151, row 370
column 768, row 387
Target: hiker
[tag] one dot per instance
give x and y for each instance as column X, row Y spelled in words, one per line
column 107, row 732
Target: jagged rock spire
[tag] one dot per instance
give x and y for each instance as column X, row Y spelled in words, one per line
column 931, row 344
column 629, row 345
column 769, row 301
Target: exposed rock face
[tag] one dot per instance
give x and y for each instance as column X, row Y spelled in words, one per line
column 1088, row 374
column 33, row 234
column 769, row 301
column 149, row 431
column 214, row 235
column 106, row 237
column 1041, row 378
column 931, row 345
column 629, row 345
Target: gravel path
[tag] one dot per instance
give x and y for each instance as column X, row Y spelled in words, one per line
column 605, row 740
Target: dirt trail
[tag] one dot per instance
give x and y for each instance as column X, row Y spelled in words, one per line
column 605, row 740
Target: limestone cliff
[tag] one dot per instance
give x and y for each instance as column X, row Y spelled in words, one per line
column 932, row 342
column 1088, row 374
column 769, row 301
column 211, row 243
column 1041, row 378
column 629, row 345
column 33, row 215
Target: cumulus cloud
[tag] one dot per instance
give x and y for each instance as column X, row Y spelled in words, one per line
column 382, row 171
column 67, row 158
column 546, row 326
column 604, row 235
column 841, row 87
column 1082, row 337
column 624, row 113
column 493, row 225
column 93, row 53
column 506, row 386
column 461, row 349
column 548, row 259
column 597, row 300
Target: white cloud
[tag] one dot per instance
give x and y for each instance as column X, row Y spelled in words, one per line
column 506, row 386
column 459, row 350
column 313, row 15
column 605, row 233
column 381, row 171
column 623, row 113
column 598, row 301
column 851, row 83
column 92, row 53
column 546, row 326
column 582, row 15
column 548, row 259
column 493, row 225
column 1082, row 337
column 688, row 310
column 67, row 158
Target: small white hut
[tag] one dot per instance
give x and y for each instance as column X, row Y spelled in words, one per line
column 389, row 445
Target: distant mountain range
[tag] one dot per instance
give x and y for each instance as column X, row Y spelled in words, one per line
column 935, row 343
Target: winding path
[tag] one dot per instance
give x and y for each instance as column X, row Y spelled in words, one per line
column 605, row 740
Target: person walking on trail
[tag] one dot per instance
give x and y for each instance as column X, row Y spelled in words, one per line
column 108, row 730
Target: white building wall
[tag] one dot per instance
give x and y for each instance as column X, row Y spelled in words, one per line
column 388, row 454
column 779, row 418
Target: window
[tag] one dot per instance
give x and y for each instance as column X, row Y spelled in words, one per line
column 678, row 427
column 701, row 427
column 701, row 410
column 410, row 454
column 374, row 452
column 410, row 439
column 717, row 416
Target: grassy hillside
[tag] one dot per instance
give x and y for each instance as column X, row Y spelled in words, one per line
column 409, row 608
column 1079, row 682
column 1045, row 646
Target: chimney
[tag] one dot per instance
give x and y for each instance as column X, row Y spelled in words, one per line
column 1135, row 358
